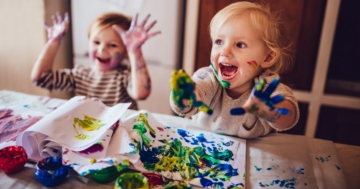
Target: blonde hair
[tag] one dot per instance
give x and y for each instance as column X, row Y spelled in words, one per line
column 108, row 19
column 267, row 25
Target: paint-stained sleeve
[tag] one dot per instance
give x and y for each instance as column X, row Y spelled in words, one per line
column 62, row 79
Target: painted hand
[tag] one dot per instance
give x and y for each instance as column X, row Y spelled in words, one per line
column 183, row 92
column 261, row 104
column 59, row 28
column 137, row 34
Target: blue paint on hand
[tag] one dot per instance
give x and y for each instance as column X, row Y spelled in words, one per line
column 237, row 111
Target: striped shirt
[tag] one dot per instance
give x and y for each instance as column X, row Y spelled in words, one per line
column 110, row 87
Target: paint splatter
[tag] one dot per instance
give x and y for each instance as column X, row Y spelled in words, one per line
column 253, row 64
column 207, row 164
column 337, row 167
column 92, row 160
column 236, row 186
column 299, row 171
column 98, row 147
column 257, row 168
column 12, row 125
column 286, row 183
column 87, row 124
column 273, row 167
column 322, row 159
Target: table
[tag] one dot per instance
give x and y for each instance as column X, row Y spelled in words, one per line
column 292, row 159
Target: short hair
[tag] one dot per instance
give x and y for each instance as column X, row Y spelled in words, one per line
column 267, row 25
column 109, row 19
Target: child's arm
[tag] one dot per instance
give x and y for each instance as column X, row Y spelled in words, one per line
column 139, row 86
column 46, row 58
column 277, row 110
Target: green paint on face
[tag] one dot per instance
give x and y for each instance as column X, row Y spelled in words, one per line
column 224, row 84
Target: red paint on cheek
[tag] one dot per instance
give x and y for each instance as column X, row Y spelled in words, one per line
column 253, row 64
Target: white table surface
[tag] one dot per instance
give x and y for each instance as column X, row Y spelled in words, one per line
column 305, row 162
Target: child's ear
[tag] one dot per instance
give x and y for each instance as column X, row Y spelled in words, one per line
column 270, row 59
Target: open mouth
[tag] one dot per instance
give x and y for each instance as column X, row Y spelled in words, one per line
column 228, row 71
column 103, row 60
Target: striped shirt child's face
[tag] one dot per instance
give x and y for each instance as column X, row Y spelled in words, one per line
column 106, row 49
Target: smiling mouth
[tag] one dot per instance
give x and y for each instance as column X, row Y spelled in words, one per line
column 103, row 61
column 228, row 71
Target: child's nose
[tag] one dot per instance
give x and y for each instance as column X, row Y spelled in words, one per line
column 101, row 49
column 225, row 51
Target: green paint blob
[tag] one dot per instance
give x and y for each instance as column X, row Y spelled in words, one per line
column 131, row 180
column 224, row 84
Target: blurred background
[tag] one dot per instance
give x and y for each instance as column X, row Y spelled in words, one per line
column 325, row 35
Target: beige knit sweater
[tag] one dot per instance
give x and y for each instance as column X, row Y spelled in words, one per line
column 221, row 121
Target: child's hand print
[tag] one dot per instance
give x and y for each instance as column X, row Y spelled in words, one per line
column 261, row 104
column 183, row 92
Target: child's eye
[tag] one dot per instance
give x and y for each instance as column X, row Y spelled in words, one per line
column 113, row 45
column 96, row 42
column 218, row 42
column 240, row 45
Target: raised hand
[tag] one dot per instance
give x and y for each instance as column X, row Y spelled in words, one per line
column 183, row 91
column 261, row 104
column 59, row 28
column 137, row 34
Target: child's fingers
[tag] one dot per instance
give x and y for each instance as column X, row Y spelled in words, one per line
column 153, row 34
column 66, row 17
column 283, row 111
column 53, row 17
column 271, row 87
column 205, row 109
column 259, row 86
column 118, row 29
column 134, row 21
column 150, row 26
column 47, row 27
column 276, row 99
column 237, row 111
column 58, row 17
column 144, row 21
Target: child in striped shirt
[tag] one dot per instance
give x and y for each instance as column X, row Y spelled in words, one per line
column 118, row 73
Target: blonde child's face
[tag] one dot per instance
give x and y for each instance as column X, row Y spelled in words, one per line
column 106, row 49
column 237, row 55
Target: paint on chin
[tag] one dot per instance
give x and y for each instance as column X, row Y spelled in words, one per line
column 223, row 83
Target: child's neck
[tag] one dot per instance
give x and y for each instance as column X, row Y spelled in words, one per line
column 237, row 92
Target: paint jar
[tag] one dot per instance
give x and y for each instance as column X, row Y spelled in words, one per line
column 105, row 175
column 50, row 171
column 110, row 173
column 12, row 159
column 131, row 180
